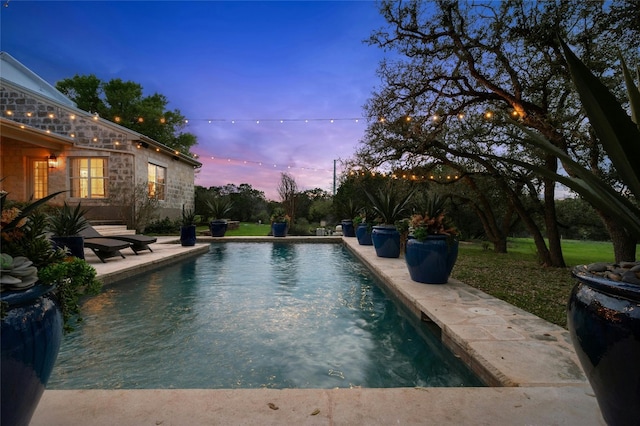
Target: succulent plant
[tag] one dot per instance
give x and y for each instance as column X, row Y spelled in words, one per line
column 17, row 273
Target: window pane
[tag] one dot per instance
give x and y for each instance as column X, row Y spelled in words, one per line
column 156, row 181
column 40, row 179
column 88, row 177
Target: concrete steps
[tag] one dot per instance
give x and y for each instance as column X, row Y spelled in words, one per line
column 107, row 230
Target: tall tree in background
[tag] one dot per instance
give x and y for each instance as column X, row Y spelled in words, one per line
column 461, row 66
column 123, row 102
column 287, row 189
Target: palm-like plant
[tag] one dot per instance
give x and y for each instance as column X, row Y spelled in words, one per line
column 68, row 221
column 390, row 205
column 188, row 216
column 218, row 207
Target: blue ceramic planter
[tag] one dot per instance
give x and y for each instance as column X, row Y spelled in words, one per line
column 30, row 340
column 188, row 235
column 347, row 228
column 364, row 235
column 279, row 229
column 604, row 322
column 386, row 241
column 218, row 228
column 431, row 261
column 73, row 244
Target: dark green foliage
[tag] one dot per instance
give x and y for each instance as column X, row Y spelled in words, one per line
column 218, row 207
column 390, row 205
column 67, row 221
column 123, row 102
column 164, row 226
column 188, row 217
column 73, row 278
column 34, row 244
column 301, row 227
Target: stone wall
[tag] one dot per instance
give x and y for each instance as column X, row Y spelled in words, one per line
column 92, row 136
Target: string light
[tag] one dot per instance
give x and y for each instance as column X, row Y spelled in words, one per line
column 227, row 160
column 517, row 111
column 439, row 178
column 274, row 120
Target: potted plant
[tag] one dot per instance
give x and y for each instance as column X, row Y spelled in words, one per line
column 602, row 314
column 218, row 207
column 279, row 223
column 188, row 227
column 66, row 224
column 432, row 248
column 363, row 228
column 39, row 291
column 603, row 317
column 350, row 210
column 390, row 207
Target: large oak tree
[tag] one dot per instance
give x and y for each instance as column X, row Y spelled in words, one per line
column 464, row 75
column 123, row 102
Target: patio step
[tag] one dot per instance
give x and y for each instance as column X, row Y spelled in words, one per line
column 107, row 230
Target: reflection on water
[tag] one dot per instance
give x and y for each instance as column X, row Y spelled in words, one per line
column 248, row 316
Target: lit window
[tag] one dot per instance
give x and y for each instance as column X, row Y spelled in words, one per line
column 157, row 181
column 88, row 177
column 40, row 178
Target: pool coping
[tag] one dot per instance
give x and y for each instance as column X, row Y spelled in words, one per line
column 529, row 363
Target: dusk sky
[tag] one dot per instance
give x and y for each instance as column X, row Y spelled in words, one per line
column 233, row 63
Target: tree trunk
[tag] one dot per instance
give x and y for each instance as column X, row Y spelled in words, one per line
column 624, row 245
column 550, row 218
column 485, row 213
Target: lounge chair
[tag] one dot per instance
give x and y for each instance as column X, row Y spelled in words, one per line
column 138, row 242
column 105, row 248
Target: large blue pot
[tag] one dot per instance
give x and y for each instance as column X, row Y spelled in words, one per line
column 386, row 240
column 279, row 229
column 218, row 228
column 431, row 261
column 363, row 234
column 603, row 318
column 347, row 228
column 188, row 235
column 30, row 340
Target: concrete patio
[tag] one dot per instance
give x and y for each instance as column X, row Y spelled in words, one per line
column 529, row 364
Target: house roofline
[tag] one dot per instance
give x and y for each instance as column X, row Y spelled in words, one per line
column 58, row 95
column 133, row 135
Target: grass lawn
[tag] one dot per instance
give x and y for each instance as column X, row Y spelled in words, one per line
column 250, row 229
column 517, row 278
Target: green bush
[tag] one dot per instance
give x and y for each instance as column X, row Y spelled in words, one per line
column 164, row 226
column 301, row 227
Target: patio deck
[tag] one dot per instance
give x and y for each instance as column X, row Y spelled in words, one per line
column 530, row 362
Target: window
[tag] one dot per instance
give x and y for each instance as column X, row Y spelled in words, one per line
column 40, row 178
column 157, row 181
column 88, row 177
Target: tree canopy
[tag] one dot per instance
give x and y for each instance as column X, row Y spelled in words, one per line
column 124, row 103
column 467, row 76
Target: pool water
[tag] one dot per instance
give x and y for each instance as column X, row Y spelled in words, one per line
column 253, row 315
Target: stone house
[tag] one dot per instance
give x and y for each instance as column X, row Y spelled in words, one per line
column 47, row 144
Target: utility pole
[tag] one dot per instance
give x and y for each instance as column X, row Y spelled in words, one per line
column 334, row 177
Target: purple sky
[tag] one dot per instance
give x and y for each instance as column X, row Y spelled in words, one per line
column 223, row 61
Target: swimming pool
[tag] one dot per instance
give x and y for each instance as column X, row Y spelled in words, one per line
column 251, row 315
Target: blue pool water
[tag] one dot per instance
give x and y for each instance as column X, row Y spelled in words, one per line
column 251, row 315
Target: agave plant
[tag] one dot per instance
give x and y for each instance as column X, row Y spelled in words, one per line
column 188, row 216
column 218, row 207
column 67, row 221
column 389, row 205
